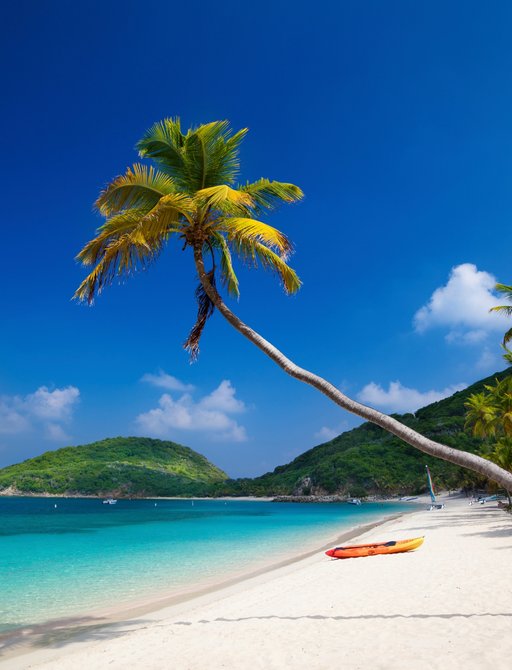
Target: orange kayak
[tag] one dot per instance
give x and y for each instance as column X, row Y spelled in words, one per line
column 359, row 550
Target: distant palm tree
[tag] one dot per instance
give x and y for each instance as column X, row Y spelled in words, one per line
column 490, row 416
column 193, row 195
column 481, row 416
column 505, row 309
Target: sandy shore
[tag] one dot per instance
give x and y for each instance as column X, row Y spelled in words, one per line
column 448, row 605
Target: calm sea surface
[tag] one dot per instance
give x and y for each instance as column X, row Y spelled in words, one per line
column 62, row 557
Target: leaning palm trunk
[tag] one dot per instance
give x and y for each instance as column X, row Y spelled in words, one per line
column 194, row 196
column 462, row 458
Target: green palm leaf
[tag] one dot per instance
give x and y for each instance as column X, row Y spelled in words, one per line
column 192, row 195
column 253, row 252
column 240, row 229
column 268, row 194
column 163, row 142
column 229, row 278
column 211, row 155
column 139, row 187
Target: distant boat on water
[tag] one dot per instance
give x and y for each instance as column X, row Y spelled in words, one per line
column 354, row 501
column 110, row 501
column 408, row 498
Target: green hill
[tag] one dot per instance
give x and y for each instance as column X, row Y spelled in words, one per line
column 368, row 460
column 121, row 466
column 361, row 461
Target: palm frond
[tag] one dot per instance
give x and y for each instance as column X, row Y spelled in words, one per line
column 164, row 142
column 224, row 198
column 268, row 194
column 251, row 230
column 504, row 309
column 253, row 252
column 155, row 224
column 507, row 338
column 139, row 187
column 114, row 227
column 505, row 290
column 229, row 278
column 211, row 155
column 122, row 257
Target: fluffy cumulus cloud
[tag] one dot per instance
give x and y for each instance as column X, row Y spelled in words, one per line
column 54, row 405
column 166, row 381
column 400, row 398
column 462, row 306
column 43, row 410
column 211, row 414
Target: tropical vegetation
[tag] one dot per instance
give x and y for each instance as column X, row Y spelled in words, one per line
column 193, row 194
column 364, row 461
column 489, row 415
column 506, row 291
column 122, row 466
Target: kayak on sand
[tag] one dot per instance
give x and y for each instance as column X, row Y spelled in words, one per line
column 359, row 550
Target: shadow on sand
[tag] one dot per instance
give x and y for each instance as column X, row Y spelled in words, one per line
column 59, row 632
column 321, row 617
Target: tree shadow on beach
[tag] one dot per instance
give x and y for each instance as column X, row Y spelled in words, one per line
column 59, row 632
column 321, row 617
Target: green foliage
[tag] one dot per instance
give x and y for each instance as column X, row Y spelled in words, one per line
column 490, row 417
column 370, row 460
column 191, row 194
column 359, row 462
column 129, row 466
column 506, row 291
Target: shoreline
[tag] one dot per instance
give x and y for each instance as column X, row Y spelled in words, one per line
column 6, row 493
column 20, row 641
column 445, row 606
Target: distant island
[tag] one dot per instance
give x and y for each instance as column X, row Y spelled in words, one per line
column 361, row 462
column 119, row 466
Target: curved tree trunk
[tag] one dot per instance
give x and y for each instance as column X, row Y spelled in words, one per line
column 456, row 456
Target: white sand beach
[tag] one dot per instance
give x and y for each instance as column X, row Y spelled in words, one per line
column 447, row 605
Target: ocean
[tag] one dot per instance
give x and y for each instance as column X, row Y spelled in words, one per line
column 64, row 557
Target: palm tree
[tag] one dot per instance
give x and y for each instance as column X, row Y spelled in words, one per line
column 193, row 194
column 502, row 455
column 490, row 416
column 481, row 416
column 505, row 309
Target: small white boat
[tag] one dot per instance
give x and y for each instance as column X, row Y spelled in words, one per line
column 354, row 501
column 110, row 501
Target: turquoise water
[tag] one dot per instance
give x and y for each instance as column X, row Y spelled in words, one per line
column 62, row 557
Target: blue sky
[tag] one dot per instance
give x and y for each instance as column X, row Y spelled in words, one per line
column 395, row 120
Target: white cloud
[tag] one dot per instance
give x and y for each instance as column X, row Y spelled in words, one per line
column 223, row 399
column 166, row 381
column 43, row 409
column 399, row 398
column 11, row 421
column 210, row 415
column 56, row 405
column 462, row 305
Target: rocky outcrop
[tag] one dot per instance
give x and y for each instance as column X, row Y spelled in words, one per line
column 310, row 499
